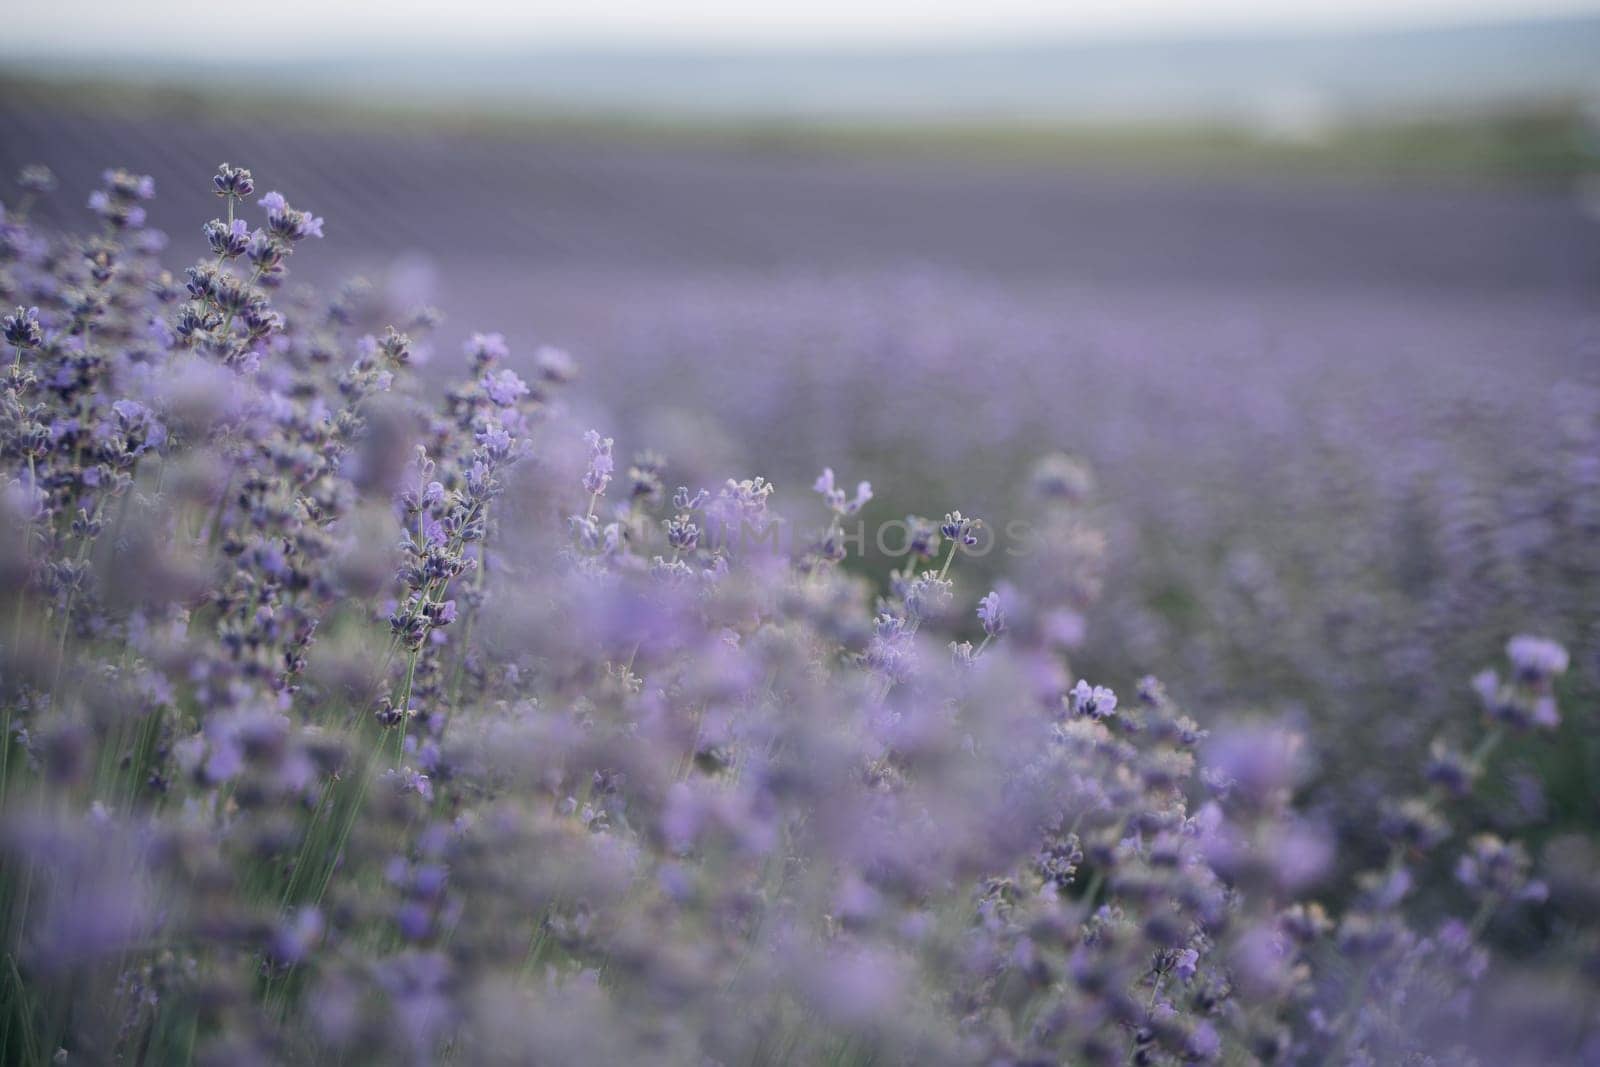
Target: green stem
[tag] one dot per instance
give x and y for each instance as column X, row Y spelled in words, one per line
column 72, row 593
column 1486, row 747
column 1481, row 918
column 466, row 627
column 404, row 704
column 1358, row 993
column 222, row 506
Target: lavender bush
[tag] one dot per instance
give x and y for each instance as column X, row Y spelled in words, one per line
column 352, row 717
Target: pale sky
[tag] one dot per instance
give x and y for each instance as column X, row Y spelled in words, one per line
column 308, row 27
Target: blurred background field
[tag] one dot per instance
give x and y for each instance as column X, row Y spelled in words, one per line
column 1317, row 304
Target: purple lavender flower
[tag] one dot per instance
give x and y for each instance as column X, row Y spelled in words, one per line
column 1096, row 702
column 960, row 529
column 929, row 596
column 685, row 501
column 682, row 535
column 486, row 349
column 504, row 388
column 1536, row 659
column 1204, row 1043
column 993, row 616
column 1261, row 761
column 228, row 240
column 289, row 223
column 1498, row 868
column 598, row 476
column 128, row 185
column 117, row 203
column 1059, row 478
column 22, row 330
column 394, row 346
column 233, row 183
column 297, row 935
column 265, row 251
column 837, row 500
column 554, row 364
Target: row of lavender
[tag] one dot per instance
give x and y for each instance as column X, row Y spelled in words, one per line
column 351, row 720
column 1333, row 499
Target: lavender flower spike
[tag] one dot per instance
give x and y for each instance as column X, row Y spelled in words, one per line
column 837, row 501
column 993, row 617
column 601, row 463
column 22, row 328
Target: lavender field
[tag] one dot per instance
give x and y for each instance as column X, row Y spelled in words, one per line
column 709, row 602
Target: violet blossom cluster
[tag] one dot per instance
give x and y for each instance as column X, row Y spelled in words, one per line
column 353, row 715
